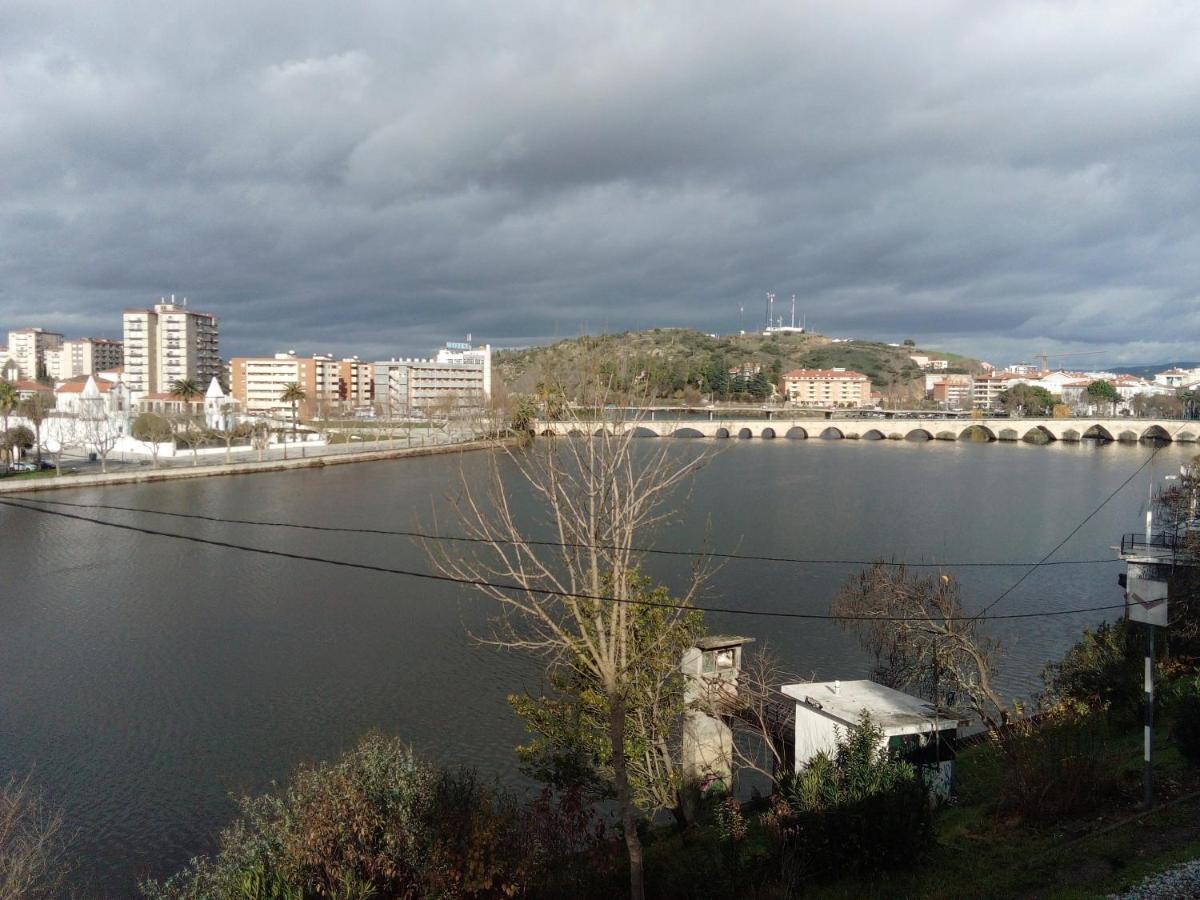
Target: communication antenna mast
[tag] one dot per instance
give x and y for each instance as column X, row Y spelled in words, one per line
column 770, row 309
column 793, row 310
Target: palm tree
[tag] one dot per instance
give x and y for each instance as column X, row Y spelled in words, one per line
column 185, row 389
column 9, row 400
column 294, row 394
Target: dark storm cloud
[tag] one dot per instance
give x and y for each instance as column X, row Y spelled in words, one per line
column 990, row 178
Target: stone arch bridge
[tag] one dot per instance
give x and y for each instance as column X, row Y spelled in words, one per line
column 1038, row 431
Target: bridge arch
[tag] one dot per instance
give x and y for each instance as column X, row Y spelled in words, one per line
column 768, row 433
column 1097, row 432
column 745, row 433
column 1156, row 433
column 575, row 432
column 643, row 431
column 1186, row 437
column 600, row 432
column 873, row 435
column 1127, row 437
column 919, row 434
column 1007, row 434
column 549, row 432
column 796, row 433
column 946, row 436
column 1038, row 434
column 1071, row 436
column 976, row 432
column 686, row 432
column 832, row 434
column 722, row 432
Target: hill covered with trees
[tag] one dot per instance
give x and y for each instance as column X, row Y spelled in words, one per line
column 681, row 364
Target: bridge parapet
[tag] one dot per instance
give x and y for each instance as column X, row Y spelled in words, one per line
column 1041, row 430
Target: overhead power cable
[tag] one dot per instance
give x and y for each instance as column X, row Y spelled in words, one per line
column 516, row 588
column 429, row 536
column 1074, row 531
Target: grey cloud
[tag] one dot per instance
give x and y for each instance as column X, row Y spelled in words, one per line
column 375, row 179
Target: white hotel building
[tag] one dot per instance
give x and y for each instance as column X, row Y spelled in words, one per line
column 460, row 372
column 167, row 343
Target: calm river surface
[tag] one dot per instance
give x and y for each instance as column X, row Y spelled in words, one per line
column 145, row 679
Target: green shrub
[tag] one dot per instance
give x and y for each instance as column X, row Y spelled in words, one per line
column 379, row 822
column 857, row 810
column 1058, row 767
column 1185, row 718
column 1103, row 671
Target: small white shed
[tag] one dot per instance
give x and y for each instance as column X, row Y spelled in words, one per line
column 910, row 724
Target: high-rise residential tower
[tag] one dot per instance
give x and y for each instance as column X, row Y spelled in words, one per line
column 27, row 348
column 167, row 343
column 83, row 356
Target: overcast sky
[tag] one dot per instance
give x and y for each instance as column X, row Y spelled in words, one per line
column 378, row 178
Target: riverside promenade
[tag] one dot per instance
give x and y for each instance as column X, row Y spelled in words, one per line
column 145, row 474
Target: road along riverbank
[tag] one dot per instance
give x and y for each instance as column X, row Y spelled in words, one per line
column 178, row 473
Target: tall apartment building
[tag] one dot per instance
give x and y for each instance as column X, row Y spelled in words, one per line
column 257, row 382
column 827, row 387
column 83, row 356
column 459, row 373
column 167, row 343
column 27, row 348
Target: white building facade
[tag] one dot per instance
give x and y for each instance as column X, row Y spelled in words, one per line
column 83, row 356
column 167, row 343
column 27, row 348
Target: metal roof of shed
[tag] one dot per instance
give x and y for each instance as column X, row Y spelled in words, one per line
column 894, row 711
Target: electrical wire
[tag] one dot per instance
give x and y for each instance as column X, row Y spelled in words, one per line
column 471, row 582
column 1074, row 531
column 428, row 536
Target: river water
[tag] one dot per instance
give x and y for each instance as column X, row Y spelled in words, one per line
column 143, row 679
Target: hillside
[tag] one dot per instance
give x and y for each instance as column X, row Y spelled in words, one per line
column 681, row 363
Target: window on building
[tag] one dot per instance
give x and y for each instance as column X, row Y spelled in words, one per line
column 717, row 661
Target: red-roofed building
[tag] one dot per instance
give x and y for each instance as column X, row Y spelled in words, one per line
column 827, row 387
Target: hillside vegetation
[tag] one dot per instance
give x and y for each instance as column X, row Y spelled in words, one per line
column 678, row 363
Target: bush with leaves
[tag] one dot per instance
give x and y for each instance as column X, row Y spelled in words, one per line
column 1184, row 708
column 858, row 809
column 377, row 822
column 1055, row 767
column 1103, row 671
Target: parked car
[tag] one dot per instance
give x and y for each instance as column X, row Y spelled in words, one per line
column 22, row 467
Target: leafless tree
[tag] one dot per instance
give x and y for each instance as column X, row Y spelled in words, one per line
column 153, row 430
column 601, row 497
column 761, row 716
column 32, row 853
column 260, row 437
column 190, row 430
column 67, row 433
column 921, row 638
column 231, row 430
column 98, row 432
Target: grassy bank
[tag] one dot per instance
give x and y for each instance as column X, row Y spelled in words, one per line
column 985, row 852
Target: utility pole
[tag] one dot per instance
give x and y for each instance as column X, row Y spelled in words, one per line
column 1147, row 771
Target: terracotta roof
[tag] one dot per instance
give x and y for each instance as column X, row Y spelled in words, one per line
column 30, row 386
column 77, row 387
